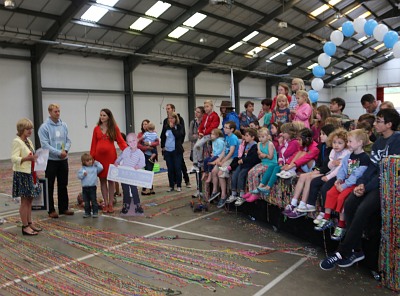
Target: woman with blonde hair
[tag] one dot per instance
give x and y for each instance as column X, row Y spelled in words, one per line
column 25, row 182
column 297, row 84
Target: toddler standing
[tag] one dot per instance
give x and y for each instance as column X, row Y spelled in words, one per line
column 281, row 112
column 88, row 176
column 133, row 158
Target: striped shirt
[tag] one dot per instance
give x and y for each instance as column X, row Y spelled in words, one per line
column 133, row 159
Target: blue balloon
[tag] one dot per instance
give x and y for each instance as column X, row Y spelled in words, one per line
column 370, row 26
column 390, row 39
column 348, row 29
column 313, row 95
column 318, row 71
column 330, row 48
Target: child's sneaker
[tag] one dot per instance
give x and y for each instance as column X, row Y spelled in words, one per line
column 231, row 199
column 288, row 174
column 338, row 234
column 125, row 208
column 239, row 201
column 255, row 191
column 86, row 215
column 194, row 169
column 264, row 191
column 295, row 214
column 318, row 219
column 252, row 198
column 221, row 203
column 139, row 209
column 306, row 208
column 246, row 195
column 324, row 224
column 289, row 208
column 95, row 215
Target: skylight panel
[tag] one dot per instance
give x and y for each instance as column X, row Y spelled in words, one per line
column 362, row 39
column 379, row 46
column 107, row 2
column 365, row 15
column 289, row 47
column 324, row 7
column 140, row 24
column 251, row 35
column 157, row 9
column 255, row 50
column 358, row 70
column 236, row 45
column 94, row 14
column 194, row 19
column 178, row 32
column 275, row 55
column 269, row 41
column 312, row 66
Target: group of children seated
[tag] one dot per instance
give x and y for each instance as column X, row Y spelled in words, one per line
column 326, row 166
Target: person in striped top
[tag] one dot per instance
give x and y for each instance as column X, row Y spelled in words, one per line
column 134, row 158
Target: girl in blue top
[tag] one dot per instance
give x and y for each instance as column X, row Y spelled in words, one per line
column 268, row 156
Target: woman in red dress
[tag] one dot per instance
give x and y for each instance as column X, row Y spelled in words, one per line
column 103, row 150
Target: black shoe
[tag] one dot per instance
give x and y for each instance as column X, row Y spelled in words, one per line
column 139, row 209
column 125, row 208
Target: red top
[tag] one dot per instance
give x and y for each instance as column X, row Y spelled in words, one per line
column 312, row 153
column 103, row 150
column 274, row 101
column 208, row 123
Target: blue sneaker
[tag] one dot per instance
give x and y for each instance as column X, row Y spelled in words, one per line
column 330, row 262
column 354, row 257
column 221, row 203
column 255, row 191
column 324, row 224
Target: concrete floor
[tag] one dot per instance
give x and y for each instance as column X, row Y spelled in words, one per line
column 293, row 269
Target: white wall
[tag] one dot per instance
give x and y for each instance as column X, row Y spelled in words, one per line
column 15, row 100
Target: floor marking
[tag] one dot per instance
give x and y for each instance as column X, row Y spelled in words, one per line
column 280, row 277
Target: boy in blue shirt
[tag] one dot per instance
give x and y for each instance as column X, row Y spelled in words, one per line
column 88, row 176
column 220, row 171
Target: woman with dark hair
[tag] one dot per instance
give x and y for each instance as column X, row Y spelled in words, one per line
column 103, row 150
column 283, row 89
column 141, row 145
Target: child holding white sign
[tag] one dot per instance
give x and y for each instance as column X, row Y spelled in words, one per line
column 134, row 158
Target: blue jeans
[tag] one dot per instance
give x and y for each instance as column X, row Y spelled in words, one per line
column 239, row 178
column 269, row 178
column 89, row 196
column 127, row 190
column 174, row 166
column 209, row 167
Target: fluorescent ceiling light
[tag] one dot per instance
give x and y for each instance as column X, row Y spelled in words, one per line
column 275, row 55
column 178, row 32
column 365, row 15
column 289, row 47
column 194, row 19
column 269, row 41
column 324, row 7
column 140, row 24
column 157, row 9
column 94, row 14
column 379, row 46
column 107, row 2
column 251, row 35
column 362, row 39
column 358, row 70
column 348, row 75
column 236, row 45
column 312, row 66
column 351, row 10
column 255, row 50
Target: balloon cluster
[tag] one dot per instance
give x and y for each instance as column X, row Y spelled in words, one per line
column 362, row 26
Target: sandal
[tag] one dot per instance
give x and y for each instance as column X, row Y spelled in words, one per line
column 34, row 228
column 28, row 233
column 146, row 192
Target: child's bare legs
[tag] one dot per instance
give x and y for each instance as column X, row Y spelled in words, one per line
column 214, row 178
column 222, row 183
column 299, row 186
column 153, row 157
column 306, row 188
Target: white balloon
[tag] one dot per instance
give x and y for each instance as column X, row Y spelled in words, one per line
column 396, row 49
column 324, row 60
column 317, row 84
column 380, row 31
column 337, row 37
column 359, row 25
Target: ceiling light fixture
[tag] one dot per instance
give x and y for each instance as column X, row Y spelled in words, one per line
column 289, row 63
column 10, row 4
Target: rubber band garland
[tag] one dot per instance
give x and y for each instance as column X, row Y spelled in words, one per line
column 361, row 26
